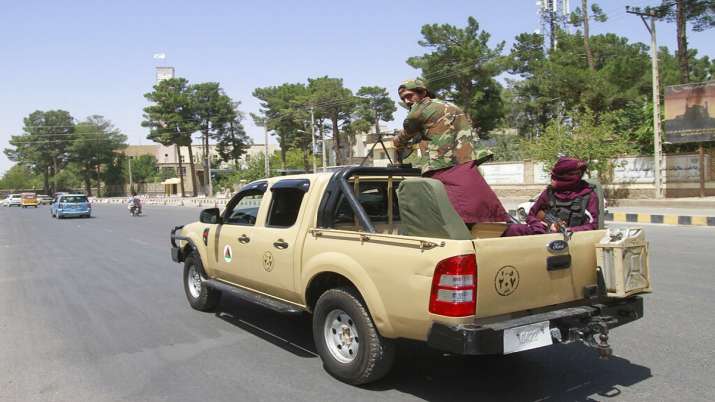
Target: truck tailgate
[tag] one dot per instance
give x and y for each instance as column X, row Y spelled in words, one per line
column 513, row 273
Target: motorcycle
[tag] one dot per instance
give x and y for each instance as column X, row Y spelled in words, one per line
column 135, row 208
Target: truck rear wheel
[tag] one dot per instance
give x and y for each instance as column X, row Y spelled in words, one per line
column 347, row 341
column 200, row 296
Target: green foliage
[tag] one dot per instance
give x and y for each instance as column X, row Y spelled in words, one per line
column 507, row 148
column 461, row 68
column 20, row 177
column 94, row 144
column 374, row 106
column 171, row 118
column 582, row 136
column 43, row 145
column 283, row 112
column 233, row 141
column 144, row 169
column 563, row 83
column 336, row 104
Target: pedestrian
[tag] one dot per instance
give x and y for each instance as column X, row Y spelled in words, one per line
column 447, row 152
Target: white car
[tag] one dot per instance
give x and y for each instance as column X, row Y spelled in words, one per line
column 12, row 200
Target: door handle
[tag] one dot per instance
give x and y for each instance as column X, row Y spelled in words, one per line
column 244, row 239
column 280, row 244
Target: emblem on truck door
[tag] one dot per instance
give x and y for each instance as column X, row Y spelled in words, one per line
column 268, row 261
column 506, row 280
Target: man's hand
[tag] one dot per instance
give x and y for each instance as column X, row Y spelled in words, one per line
column 396, row 142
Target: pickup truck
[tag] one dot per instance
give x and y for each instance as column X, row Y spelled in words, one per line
column 379, row 254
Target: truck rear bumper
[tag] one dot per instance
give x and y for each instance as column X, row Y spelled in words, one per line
column 473, row 339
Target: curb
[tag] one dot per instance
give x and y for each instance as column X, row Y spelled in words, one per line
column 625, row 217
column 686, row 220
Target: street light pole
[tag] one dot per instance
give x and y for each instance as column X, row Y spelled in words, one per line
column 131, row 185
column 267, row 164
column 208, row 163
column 312, row 138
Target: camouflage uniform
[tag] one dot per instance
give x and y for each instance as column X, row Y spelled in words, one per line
column 445, row 131
column 448, row 154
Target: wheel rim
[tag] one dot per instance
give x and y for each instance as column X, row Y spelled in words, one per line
column 341, row 336
column 194, row 282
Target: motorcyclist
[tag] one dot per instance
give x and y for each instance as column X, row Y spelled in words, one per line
column 135, row 202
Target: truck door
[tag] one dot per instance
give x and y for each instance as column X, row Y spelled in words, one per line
column 235, row 237
column 276, row 248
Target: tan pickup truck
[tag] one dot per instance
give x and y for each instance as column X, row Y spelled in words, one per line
column 379, row 254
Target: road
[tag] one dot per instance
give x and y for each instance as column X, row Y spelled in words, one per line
column 94, row 310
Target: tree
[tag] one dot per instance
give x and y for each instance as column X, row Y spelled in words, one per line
column 43, row 145
column 213, row 111
column 581, row 136
column 580, row 18
column 19, row 177
column 94, row 144
column 701, row 13
column 462, row 68
column 171, row 120
column 333, row 102
column 233, row 141
column 562, row 83
column 144, row 168
column 375, row 106
column 284, row 111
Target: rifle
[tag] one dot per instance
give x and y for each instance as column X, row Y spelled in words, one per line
column 562, row 227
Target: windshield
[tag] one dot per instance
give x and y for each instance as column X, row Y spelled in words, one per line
column 73, row 199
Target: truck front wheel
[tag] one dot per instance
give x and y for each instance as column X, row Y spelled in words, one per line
column 200, row 296
column 347, row 341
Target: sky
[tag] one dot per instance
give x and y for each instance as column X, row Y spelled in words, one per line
column 95, row 57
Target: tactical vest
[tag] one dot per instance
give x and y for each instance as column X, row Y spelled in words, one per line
column 572, row 212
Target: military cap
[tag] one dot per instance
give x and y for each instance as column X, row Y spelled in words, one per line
column 416, row 83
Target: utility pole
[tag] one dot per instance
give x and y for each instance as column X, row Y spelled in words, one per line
column 658, row 148
column 312, row 138
column 267, row 164
column 322, row 137
column 130, row 174
column 208, row 164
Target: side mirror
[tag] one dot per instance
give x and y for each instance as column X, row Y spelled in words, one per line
column 210, row 215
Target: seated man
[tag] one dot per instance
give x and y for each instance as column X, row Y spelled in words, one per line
column 568, row 201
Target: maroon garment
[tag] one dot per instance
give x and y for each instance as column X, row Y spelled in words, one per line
column 566, row 174
column 470, row 194
column 535, row 226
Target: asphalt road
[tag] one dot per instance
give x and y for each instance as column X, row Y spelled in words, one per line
column 94, row 310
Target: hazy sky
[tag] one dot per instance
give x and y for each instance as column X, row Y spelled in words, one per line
column 95, row 57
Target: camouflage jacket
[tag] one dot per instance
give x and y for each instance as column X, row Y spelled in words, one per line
column 446, row 134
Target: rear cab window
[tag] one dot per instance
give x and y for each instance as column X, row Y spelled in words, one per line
column 286, row 201
column 373, row 196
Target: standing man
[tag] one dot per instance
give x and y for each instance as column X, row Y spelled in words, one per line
column 448, row 153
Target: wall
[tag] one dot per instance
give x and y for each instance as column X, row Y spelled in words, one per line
column 632, row 177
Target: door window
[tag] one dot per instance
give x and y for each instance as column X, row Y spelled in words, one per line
column 285, row 205
column 243, row 209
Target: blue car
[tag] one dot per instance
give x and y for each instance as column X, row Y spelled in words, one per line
column 67, row 205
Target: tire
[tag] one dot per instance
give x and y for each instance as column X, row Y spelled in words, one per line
column 339, row 311
column 200, row 296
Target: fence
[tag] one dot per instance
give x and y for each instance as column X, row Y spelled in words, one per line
column 631, row 177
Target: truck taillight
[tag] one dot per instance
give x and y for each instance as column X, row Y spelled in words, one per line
column 454, row 287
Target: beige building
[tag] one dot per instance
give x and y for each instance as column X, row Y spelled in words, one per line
column 167, row 157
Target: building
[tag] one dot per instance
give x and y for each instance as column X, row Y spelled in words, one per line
column 167, row 157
